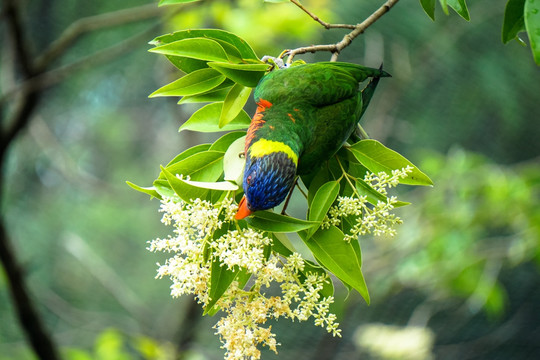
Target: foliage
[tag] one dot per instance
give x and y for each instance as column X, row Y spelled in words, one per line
column 520, row 16
column 345, row 199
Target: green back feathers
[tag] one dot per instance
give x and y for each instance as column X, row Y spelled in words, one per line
column 311, row 108
column 317, row 84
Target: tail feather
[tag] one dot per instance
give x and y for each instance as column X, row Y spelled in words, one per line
column 369, row 90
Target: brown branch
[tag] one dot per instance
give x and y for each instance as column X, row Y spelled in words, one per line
column 26, row 311
column 336, row 48
column 26, row 96
column 93, row 23
column 29, row 317
column 55, row 76
column 320, row 21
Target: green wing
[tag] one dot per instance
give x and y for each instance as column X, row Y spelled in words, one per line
column 318, row 84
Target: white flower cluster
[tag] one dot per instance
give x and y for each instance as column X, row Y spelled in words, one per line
column 197, row 242
column 369, row 219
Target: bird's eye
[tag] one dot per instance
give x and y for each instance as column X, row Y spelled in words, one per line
column 242, row 155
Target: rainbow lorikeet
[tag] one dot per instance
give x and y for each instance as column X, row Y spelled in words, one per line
column 305, row 113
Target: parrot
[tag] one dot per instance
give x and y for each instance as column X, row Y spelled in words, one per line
column 304, row 114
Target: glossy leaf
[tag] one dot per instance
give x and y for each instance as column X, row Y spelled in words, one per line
column 233, row 104
column 195, row 48
column 282, row 245
column 372, row 195
column 270, row 221
column 220, row 185
column 444, row 6
column 340, row 257
column 514, row 22
column 221, row 278
column 244, row 74
column 240, row 44
column 163, row 188
column 186, row 192
column 310, row 267
column 202, row 166
column 147, row 190
column 532, row 24
column 188, row 152
column 324, row 198
column 377, row 157
column 429, row 7
column 197, row 82
column 460, row 7
column 223, row 143
column 206, row 119
column 322, row 201
column 219, row 93
column 313, row 183
column 234, row 161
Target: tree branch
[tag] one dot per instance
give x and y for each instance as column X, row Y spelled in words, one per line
column 320, row 21
column 92, row 23
column 335, row 49
column 26, row 96
column 27, row 313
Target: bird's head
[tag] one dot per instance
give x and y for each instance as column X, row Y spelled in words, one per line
column 268, row 177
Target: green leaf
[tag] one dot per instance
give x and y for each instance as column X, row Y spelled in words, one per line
column 429, row 8
column 270, row 221
column 185, row 188
column 282, row 245
column 220, row 279
column 532, row 24
column 244, row 74
column 514, row 22
column 234, row 161
column 310, row 267
column 164, row 188
column 460, row 7
column 197, row 82
column 195, row 48
column 147, row 190
column 240, row 44
column 220, row 185
column 372, row 195
column 377, row 157
column 223, row 143
column 188, row 152
column 233, row 104
column 322, row 201
column 174, row 2
column 444, row 6
column 219, row 93
column 340, row 257
column 206, row 119
column 202, row 166
column 314, row 181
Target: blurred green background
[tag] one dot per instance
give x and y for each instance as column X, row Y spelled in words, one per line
column 461, row 279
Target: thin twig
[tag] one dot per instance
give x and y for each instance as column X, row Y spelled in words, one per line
column 55, row 76
column 336, row 48
column 320, row 21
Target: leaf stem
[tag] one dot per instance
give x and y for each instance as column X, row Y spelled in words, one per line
column 347, row 177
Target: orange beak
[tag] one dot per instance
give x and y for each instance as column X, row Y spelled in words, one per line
column 243, row 209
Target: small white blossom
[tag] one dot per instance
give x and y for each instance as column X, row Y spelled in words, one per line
column 242, row 329
column 369, row 219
